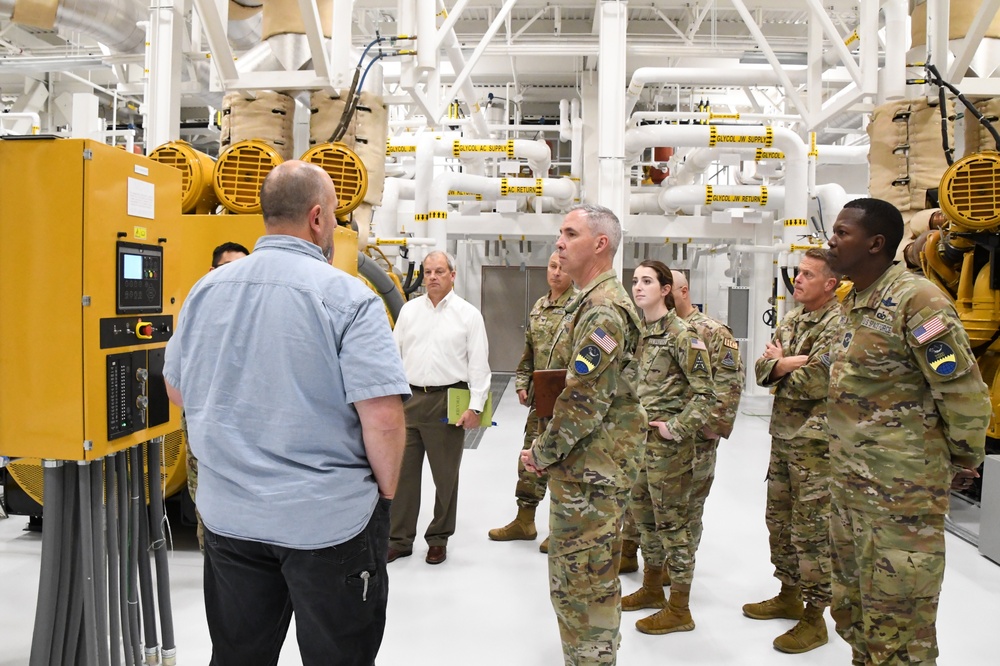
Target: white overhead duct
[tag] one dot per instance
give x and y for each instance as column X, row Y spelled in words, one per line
column 113, row 23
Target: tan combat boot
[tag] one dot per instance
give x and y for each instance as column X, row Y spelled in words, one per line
column 675, row 617
column 630, row 557
column 522, row 528
column 808, row 634
column 787, row 605
column 650, row 595
column 544, row 546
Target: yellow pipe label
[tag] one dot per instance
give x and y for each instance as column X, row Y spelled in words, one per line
column 503, row 187
column 400, row 149
column 813, row 152
column 458, row 148
column 714, row 137
column 768, row 155
column 711, row 197
column 723, row 116
column 853, row 37
column 796, row 222
column 420, row 217
column 803, row 248
column 438, row 215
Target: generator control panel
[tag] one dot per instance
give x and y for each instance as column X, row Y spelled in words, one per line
column 139, row 283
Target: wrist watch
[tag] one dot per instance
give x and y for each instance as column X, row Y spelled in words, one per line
column 477, row 412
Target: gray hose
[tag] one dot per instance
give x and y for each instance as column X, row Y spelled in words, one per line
column 383, row 284
column 45, row 614
column 137, row 498
column 74, row 618
column 123, row 571
column 114, row 607
column 160, row 545
column 99, row 521
column 147, row 600
column 86, row 556
column 66, row 567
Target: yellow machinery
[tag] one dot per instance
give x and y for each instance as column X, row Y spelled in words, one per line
column 346, row 170
column 239, row 173
column 89, row 275
column 197, row 192
column 962, row 258
column 90, row 297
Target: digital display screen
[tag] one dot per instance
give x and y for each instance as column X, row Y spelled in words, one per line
column 139, row 278
column 131, row 266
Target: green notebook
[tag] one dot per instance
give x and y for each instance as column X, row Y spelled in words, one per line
column 458, row 402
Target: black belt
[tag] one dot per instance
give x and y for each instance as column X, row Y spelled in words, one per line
column 435, row 389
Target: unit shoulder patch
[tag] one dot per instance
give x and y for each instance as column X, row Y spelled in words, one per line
column 587, row 360
column 729, row 342
column 941, row 357
column 728, row 360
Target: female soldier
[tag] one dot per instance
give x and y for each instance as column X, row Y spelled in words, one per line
column 673, row 377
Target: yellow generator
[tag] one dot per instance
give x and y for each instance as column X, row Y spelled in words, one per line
column 89, row 260
column 962, row 258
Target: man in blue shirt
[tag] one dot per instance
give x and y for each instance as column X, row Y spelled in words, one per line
column 293, row 391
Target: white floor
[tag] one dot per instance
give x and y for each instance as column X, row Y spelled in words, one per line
column 488, row 604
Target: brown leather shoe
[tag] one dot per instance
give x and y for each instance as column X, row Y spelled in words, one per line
column 437, row 554
column 394, row 554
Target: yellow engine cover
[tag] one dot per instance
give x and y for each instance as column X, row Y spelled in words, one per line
column 970, row 192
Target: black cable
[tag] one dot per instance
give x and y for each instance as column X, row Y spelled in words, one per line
column 789, row 284
column 949, row 152
column 938, row 80
column 416, row 285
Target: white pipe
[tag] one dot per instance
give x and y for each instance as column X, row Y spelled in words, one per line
column 796, row 177
column 699, row 76
column 686, row 197
column 563, row 190
column 769, row 118
column 842, row 154
column 696, row 162
column 402, row 240
column 536, row 153
column 831, row 198
column 576, row 154
column 897, row 32
column 36, row 121
column 452, row 49
column 427, row 51
column 564, row 126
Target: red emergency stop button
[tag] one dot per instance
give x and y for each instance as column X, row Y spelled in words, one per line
column 144, row 330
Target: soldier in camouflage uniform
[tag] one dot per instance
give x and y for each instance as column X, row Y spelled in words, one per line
column 540, row 352
column 674, row 379
column 592, row 446
column 796, row 365
column 728, row 377
column 907, row 413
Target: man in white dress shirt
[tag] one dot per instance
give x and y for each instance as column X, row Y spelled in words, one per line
column 442, row 339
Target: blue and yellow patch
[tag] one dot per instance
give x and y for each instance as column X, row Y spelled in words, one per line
column 941, row 358
column 587, row 360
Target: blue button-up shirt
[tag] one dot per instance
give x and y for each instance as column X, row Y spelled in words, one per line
column 269, row 354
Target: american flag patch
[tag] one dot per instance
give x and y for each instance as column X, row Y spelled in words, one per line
column 698, row 344
column 603, row 340
column 929, row 329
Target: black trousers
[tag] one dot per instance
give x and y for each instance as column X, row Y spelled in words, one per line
column 338, row 596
